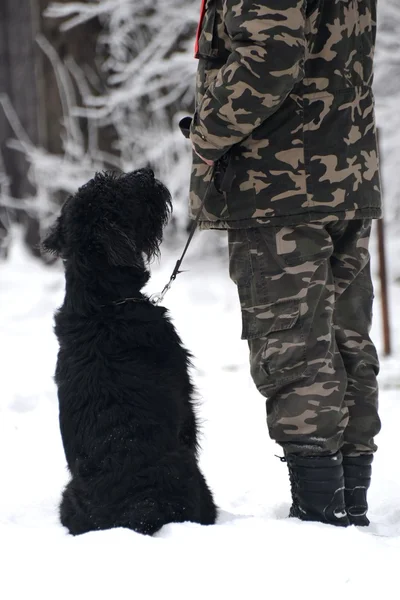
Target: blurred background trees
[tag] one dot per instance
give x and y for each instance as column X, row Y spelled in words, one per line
column 86, row 86
column 100, row 84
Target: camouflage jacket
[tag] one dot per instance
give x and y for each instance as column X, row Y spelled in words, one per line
column 284, row 108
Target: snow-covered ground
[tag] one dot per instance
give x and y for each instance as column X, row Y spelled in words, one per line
column 254, row 551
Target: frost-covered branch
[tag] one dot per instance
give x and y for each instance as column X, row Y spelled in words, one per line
column 146, row 83
column 150, row 75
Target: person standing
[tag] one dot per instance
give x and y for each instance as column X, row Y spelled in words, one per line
column 285, row 159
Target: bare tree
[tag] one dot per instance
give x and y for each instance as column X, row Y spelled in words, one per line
column 150, row 82
column 40, row 138
column 112, row 79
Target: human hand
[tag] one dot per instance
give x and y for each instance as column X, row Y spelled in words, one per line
column 210, row 163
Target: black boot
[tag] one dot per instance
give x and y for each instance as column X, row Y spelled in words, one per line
column 357, row 478
column 317, row 484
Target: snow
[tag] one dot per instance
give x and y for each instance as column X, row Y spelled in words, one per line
column 254, row 550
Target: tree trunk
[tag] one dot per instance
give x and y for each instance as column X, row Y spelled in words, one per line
column 18, row 83
column 29, row 81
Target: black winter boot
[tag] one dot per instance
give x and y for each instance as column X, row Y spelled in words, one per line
column 357, row 478
column 317, row 488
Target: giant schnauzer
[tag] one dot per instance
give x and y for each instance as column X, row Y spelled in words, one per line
column 127, row 414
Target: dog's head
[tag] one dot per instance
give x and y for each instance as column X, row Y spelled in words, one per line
column 113, row 219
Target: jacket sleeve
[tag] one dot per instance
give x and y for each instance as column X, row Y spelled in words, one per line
column 267, row 60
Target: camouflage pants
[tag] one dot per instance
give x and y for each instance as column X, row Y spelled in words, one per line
column 306, row 298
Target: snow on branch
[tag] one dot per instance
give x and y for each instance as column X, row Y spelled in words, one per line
column 150, row 74
column 145, row 56
column 83, row 11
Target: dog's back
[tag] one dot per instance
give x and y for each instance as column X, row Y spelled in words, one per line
column 122, row 368
column 127, row 422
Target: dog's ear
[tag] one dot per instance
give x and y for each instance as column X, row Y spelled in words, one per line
column 54, row 240
column 119, row 249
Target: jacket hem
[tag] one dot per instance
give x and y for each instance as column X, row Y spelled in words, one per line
column 371, row 212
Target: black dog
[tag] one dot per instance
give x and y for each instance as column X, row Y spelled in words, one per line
column 126, row 400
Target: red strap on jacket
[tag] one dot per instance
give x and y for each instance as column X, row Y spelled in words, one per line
column 202, row 13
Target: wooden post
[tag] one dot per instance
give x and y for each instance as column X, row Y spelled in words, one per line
column 387, row 346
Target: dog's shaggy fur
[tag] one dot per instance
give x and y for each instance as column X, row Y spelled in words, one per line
column 126, row 400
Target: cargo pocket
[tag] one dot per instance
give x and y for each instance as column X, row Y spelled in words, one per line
column 277, row 343
column 277, row 301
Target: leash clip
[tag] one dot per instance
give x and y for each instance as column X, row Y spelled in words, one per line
column 155, row 299
column 159, row 297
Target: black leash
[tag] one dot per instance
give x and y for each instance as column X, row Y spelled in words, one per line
column 157, row 298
